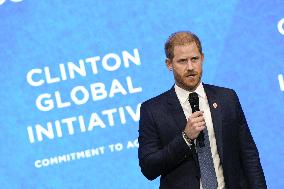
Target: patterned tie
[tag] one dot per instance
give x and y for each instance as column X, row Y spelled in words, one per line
column 208, row 174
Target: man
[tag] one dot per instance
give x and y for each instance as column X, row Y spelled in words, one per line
column 211, row 148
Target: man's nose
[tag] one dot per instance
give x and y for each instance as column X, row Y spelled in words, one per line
column 189, row 65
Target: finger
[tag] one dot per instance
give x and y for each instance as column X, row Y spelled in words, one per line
column 198, row 119
column 199, row 124
column 195, row 122
column 192, row 121
column 197, row 114
column 201, row 128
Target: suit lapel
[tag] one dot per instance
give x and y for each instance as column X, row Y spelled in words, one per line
column 216, row 114
column 176, row 110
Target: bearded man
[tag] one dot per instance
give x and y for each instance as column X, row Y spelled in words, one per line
column 195, row 135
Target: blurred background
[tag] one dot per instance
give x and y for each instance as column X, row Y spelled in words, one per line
column 73, row 75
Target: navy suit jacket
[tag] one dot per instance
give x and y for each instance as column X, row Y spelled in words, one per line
column 163, row 151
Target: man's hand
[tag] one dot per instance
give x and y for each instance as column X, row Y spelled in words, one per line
column 195, row 124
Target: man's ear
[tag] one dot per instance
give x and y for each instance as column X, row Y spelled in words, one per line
column 202, row 58
column 169, row 64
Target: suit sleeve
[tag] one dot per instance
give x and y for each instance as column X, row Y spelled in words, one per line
column 155, row 159
column 248, row 151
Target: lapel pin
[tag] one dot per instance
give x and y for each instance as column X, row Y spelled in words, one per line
column 215, row 105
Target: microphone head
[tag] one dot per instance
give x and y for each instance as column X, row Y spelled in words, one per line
column 193, row 97
column 194, row 101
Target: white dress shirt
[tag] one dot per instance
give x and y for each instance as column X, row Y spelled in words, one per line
column 203, row 106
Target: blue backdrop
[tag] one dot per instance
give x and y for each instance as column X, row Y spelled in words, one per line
column 73, row 75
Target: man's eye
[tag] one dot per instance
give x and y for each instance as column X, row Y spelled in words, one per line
column 194, row 58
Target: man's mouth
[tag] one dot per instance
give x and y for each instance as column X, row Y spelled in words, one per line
column 191, row 75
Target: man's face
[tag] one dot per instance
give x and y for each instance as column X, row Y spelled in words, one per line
column 186, row 66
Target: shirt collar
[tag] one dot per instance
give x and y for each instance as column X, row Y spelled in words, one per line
column 182, row 94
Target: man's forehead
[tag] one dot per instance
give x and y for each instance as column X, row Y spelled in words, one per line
column 190, row 47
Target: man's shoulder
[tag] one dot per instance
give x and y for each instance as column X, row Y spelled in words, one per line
column 161, row 98
column 227, row 95
column 218, row 89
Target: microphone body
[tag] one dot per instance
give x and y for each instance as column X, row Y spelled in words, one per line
column 194, row 103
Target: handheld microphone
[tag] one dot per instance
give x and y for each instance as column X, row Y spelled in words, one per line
column 194, row 103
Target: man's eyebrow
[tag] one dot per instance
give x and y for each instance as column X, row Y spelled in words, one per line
column 195, row 57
